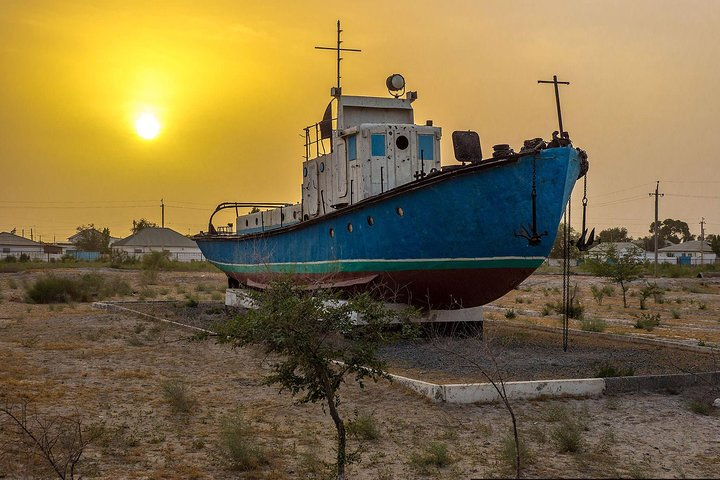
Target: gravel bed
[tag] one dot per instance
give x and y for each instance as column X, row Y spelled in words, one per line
column 523, row 354
column 515, row 352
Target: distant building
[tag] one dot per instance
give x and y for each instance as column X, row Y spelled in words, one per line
column 12, row 245
column 600, row 251
column 693, row 252
column 156, row 239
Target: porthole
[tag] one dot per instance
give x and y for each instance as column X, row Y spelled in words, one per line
column 402, row 142
column 294, row 215
column 349, row 227
column 256, row 221
column 371, row 221
column 322, row 166
column 247, row 223
column 305, row 171
column 400, row 211
column 332, row 232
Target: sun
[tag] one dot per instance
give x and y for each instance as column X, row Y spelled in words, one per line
column 147, row 126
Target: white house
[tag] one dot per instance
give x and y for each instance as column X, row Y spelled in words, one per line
column 156, row 239
column 12, row 245
column 693, row 252
column 600, row 251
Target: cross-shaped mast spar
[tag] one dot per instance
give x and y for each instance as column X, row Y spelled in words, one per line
column 557, row 99
column 339, row 58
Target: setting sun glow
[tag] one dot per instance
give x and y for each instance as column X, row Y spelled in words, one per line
column 147, row 126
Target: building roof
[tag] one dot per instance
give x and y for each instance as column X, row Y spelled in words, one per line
column 156, row 237
column 690, row 246
column 602, row 248
column 7, row 238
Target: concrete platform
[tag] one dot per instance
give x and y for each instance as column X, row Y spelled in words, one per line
column 468, row 393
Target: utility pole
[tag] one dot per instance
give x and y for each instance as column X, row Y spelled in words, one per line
column 657, row 195
column 702, row 241
column 162, row 209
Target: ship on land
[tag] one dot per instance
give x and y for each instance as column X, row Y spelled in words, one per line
column 380, row 212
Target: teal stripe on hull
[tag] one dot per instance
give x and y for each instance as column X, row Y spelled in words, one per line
column 356, row 266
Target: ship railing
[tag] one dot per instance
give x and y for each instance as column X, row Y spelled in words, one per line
column 314, row 136
column 238, row 205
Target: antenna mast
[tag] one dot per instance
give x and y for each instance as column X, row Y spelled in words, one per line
column 557, row 99
column 337, row 90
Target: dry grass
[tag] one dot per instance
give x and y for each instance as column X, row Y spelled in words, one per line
column 109, row 382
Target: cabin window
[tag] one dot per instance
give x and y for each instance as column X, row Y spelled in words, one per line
column 352, row 147
column 6, row 250
column 138, row 250
column 377, row 143
column 425, row 147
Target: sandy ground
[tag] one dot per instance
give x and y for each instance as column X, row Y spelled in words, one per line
column 108, row 370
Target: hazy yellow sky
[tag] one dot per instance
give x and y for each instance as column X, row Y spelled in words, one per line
column 234, row 82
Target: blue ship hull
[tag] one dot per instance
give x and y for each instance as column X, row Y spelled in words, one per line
column 446, row 241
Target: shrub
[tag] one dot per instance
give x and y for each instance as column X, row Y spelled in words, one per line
column 675, row 314
column 434, row 455
column 363, row 427
column 11, row 259
column 87, row 288
column 597, row 293
column 149, row 277
column 24, row 258
column 239, row 443
column 178, row 395
column 609, row 370
column 508, row 453
column 156, row 261
column 510, row 314
column 568, row 437
column 650, row 290
column 648, row 321
column 699, row 407
column 593, row 325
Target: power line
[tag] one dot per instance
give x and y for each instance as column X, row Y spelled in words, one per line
column 620, row 191
column 714, row 197
column 620, row 200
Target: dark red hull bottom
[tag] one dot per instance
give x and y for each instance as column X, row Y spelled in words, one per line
column 437, row 289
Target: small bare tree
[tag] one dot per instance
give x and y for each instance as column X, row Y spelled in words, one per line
column 319, row 344
column 621, row 268
column 491, row 373
column 60, row 440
